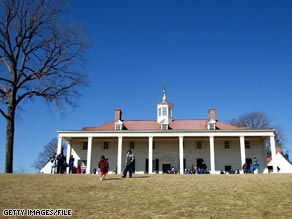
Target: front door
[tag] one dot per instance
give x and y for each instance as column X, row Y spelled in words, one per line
column 166, row 168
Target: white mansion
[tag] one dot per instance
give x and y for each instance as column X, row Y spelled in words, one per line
column 168, row 142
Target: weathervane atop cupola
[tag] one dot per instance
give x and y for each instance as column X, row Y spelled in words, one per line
column 164, row 110
column 164, row 90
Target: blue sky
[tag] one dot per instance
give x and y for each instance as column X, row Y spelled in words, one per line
column 235, row 56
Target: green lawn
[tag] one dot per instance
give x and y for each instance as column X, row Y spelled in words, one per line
column 151, row 196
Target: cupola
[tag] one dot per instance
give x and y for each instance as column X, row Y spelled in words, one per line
column 164, row 112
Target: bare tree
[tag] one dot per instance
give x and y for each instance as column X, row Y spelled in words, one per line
column 40, row 56
column 254, row 120
column 49, row 151
column 257, row 121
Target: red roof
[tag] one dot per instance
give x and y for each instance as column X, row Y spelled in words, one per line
column 153, row 125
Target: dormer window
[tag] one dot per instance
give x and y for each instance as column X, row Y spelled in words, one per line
column 212, row 125
column 164, row 127
column 119, row 125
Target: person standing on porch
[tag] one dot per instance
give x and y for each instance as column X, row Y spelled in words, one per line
column 256, row 165
column 53, row 165
column 71, row 164
column 245, row 168
column 129, row 164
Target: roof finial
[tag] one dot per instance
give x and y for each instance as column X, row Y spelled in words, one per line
column 164, row 90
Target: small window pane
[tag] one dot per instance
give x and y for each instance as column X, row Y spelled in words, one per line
column 247, row 144
column 199, row 145
column 105, row 145
column 132, row 145
column 226, row 145
column 85, row 146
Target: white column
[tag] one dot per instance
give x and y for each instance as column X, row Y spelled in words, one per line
column 59, row 148
column 150, row 156
column 89, row 149
column 212, row 155
column 181, row 154
column 242, row 150
column 119, row 158
column 69, row 151
column 273, row 151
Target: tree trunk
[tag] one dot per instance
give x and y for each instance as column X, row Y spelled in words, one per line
column 10, row 138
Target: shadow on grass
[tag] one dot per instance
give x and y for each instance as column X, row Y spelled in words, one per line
column 138, row 177
column 108, row 179
column 134, row 177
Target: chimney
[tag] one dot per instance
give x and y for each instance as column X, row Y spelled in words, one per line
column 118, row 114
column 212, row 114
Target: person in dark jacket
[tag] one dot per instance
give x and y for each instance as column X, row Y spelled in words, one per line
column 245, row 168
column 203, row 167
column 71, row 164
column 61, row 159
column 130, row 159
column 103, row 165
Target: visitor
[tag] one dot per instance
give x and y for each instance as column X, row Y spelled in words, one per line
column 256, row 165
column 71, row 164
column 53, row 165
column 251, row 168
column 60, row 163
column 130, row 159
column 245, row 168
column 103, row 167
column 202, row 168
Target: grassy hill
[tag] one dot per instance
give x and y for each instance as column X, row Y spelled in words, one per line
column 151, row 196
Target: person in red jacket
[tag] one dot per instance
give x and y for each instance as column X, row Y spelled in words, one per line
column 103, row 165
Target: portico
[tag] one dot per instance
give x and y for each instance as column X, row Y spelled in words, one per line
column 183, row 140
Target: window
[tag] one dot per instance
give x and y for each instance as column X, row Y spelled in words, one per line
column 212, row 126
column 164, row 126
column 248, row 160
column 119, row 127
column 105, row 145
column 85, row 146
column 159, row 112
column 199, row 145
column 226, row 145
column 132, row 145
column 164, row 111
column 153, row 145
column 247, row 144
